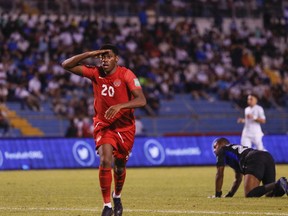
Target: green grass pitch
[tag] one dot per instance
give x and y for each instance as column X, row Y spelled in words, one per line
column 147, row 191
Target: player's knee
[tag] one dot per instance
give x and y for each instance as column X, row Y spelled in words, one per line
column 119, row 170
column 256, row 192
column 105, row 162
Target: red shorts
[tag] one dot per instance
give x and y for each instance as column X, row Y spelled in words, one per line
column 122, row 142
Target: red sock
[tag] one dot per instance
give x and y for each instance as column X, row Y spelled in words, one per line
column 105, row 179
column 119, row 181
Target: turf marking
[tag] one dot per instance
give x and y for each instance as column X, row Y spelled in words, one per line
column 191, row 212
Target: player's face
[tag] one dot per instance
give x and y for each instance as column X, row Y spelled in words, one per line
column 216, row 147
column 251, row 100
column 108, row 61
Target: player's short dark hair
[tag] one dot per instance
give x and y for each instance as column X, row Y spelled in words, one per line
column 110, row 47
column 221, row 141
column 254, row 95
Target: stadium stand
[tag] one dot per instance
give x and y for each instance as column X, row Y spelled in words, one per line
column 43, row 123
column 196, row 64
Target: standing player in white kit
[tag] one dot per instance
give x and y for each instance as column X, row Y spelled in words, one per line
column 254, row 116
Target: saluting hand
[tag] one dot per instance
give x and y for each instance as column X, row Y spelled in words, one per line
column 98, row 53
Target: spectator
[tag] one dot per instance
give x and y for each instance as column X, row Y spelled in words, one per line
column 87, row 128
column 140, row 130
column 3, row 93
column 27, row 99
column 60, row 107
column 72, row 130
column 4, row 122
column 34, row 86
column 3, row 75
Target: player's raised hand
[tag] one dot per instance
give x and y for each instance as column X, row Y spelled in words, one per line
column 98, row 53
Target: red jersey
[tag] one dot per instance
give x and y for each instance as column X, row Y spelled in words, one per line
column 111, row 90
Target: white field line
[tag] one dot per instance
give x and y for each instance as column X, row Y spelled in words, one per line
column 188, row 212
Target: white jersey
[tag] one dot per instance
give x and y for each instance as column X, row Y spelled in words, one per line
column 251, row 127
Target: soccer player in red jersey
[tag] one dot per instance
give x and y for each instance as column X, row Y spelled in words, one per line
column 117, row 92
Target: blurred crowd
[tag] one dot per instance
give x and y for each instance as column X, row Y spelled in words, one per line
column 195, row 8
column 4, row 123
column 169, row 56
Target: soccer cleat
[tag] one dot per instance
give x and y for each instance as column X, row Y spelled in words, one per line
column 283, row 184
column 118, row 208
column 107, row 211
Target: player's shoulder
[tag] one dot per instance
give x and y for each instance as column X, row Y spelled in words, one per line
column 247, row 108
column 124, row 69
column 259, row 106
column 126, row 74
column 91, row 69
column 230, row 147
